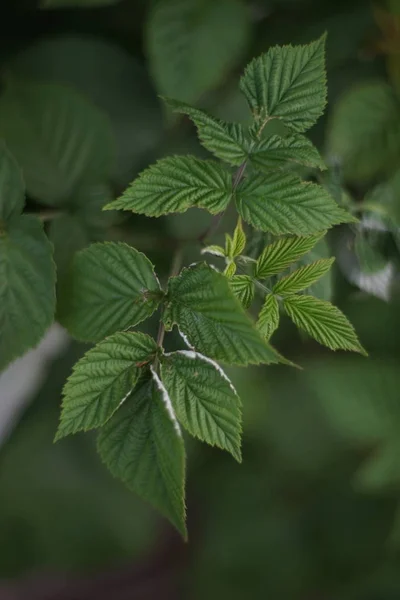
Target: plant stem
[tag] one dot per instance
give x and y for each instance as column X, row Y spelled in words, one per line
column 175, row 266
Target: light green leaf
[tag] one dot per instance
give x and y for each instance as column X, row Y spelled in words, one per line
column 323, row 287
column 227, row 141
column 141, row 444
column 303, row 277
column 176, row 183
column 278, row 152
column 230, row 269
column 204, row 400
column 324, row 322
column 102, row 380
column 214, row 250
column 238, row 241
column 75, row 3
column 243, row 288
column 12, row 192
column 268, row 319
column 27, row 286
column 188, row 50
column 284, row 204
column 364, row 132
column 279, row 255
column 56, row 136
column 288, row 83
column 112, row 287
column 203, row 306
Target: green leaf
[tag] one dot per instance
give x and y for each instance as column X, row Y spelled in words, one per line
column 279, row 255
column 142, row 445
column 27, row 286
column 204, row 399
column 324, row 322
column 268, row 319
column 364, row 132
column 112, row 287
column 238, row 241
column 214, row 250
column 230, row 269
column 284, row 204
column 243, row 288
column 102, row 380
column 304, row 277
column 227, row 141
column 176, row 183
column 12, row 192
column 203, row 306
column 323, row 287
column 57, row 137
column 288, row 83
column 188, row 50
column 278, row 152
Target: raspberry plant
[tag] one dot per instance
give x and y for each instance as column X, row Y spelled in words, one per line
column 138, row 395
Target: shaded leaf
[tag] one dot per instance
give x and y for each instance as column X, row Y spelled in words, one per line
column 277, row 152
column 12, row 191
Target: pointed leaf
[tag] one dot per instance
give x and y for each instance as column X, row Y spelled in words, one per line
column 268, row 319
column 324, row 322
column 304, row 277
column 238, row 240
column 12, row 192
column 102, row 380
column 276, row 152
column 204, row 399
column 141, row 445
column 279, row 255
column 214, row 250
column 27, row 286
column 288, row 83
column 174, row 184
column 203, row 306
column 227, row 141
column 284, row 204
column 243, row 288
column 112, row 287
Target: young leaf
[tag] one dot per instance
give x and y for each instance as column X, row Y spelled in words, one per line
column 57, row 137
column 288, row 83
column 276, row 152
column 268, row 319
column 112, row 287
column 243, row 288
column 12, row 192
column 304, row 277
column 188, row 49
column 284, row 204
column 142, row 445
column 75, row 3
column 204, row 400
column 27, row 286
column 202, row 304
column 174, row 184
column 102, row 380
column 279, row 255
column 230, row 269
column 323, row 321
column 227, row 141
column 238, row 241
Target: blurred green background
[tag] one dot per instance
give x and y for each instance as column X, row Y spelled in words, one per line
column 313, row 511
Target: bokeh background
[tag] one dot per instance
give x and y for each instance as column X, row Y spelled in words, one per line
column 313, row 511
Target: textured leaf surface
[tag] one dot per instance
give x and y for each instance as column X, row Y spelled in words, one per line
column 140, row 444
column 279, row 255
column 277, row 152
column 288, row 83
column 243, row 288
column 12, row 192
column 204, row 400
column 268, row 319
column 176, row 183
column 27, row 286
column 238, row 243
column 364, row 132
column 304, row 277
column 284, row 204
column 112, row 287
column 56, row 136
column 202, row 304
column 323, row 321
column 227, row 141
column 193, row 44
column 102, row 380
